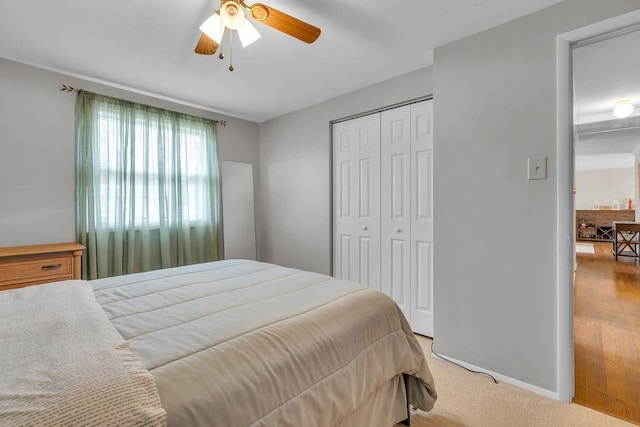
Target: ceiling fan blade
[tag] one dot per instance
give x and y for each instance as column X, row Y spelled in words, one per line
column 206, row 45
column 283, row 22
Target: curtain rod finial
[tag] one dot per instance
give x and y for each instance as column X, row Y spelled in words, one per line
column 67, row 88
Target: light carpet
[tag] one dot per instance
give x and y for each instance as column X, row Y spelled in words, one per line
column 468, row 399
column 585, row 248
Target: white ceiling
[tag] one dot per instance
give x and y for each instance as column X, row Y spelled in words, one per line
column 605, row 72
column 147, row 45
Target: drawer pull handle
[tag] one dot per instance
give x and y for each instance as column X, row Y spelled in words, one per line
column 51, row 267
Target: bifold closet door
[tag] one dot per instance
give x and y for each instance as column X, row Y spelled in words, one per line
column 421, row 310
column 407, row 211
column 356, row 200
column 383, row 206
column 395, row 202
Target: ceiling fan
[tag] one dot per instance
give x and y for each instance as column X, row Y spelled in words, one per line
column 231, row 16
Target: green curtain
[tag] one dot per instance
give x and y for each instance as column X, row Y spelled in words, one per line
column 147, row 187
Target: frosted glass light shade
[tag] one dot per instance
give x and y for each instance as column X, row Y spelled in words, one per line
column 623, row 108
column 232, row 15
column 248, row 34
column 213, row 28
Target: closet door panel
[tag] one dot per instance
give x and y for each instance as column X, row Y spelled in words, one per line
column 398, row 182
column 345, row 256
column 356, row 160
column 422, row 217
column 398, row 272
column 343, row 171
column 368, row 219
column 395, row 173
column 366, row 262
column 344, row 181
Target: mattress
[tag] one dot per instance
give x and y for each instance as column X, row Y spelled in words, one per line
column 244, row 343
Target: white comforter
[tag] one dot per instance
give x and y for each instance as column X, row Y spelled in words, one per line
column 62, row 363
column 239, row 343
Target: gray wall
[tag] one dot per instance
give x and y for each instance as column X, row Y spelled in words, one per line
column 495, row 235
column 294, row 228
column 604, row 186
column 37, row 160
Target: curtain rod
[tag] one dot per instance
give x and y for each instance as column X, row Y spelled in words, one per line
column 67, row 88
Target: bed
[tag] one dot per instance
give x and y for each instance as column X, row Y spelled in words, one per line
column 228, row 343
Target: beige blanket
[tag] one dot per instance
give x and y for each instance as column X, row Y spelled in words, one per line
column 63, row 364
column 239, row 343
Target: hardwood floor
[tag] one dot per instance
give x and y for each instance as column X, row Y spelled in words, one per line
column 607, row 333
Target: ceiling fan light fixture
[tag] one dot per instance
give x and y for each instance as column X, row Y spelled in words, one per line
column 213, row 28
column 232, row 15
column 623, row 108
column 248, row 34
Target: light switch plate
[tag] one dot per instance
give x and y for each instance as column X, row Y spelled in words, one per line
column 537, row 168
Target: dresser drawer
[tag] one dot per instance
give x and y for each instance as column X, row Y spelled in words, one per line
column 36, row 270
column 586, row 215
column 629, row 215
column 606, row 215
column 32, row 265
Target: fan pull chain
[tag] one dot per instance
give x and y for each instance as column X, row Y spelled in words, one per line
column 221, row 56
column 230, row 50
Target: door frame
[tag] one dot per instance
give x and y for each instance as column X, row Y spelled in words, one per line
column 565, row 238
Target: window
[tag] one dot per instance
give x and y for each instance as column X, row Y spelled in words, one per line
column 148, row 170
column 145, row 175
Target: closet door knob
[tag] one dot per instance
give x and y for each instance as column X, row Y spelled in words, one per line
column 398, row 230
column 365, row 228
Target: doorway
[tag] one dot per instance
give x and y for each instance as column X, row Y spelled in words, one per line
column 606, row 292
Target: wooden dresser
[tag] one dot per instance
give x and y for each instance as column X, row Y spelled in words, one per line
column 597, row 225
column 32, row 265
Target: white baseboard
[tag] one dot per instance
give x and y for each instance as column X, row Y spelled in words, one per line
column 530, row 387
